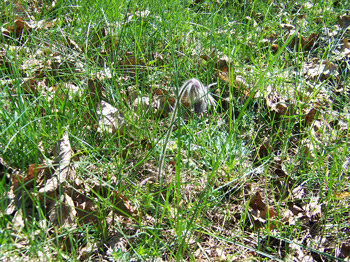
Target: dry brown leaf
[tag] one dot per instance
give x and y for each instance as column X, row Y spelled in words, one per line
column 121, row 205
column 238, row 83
column 274, row 48
column 342, row 195
column 259, row 212
column 296, row 210
column 343, row 251
column 35, row 175
column 86, row 211
column 73, row 45
column 324, row 70
column 86, row 252
column 63, row 154
column 288, row 26
column 264, row 148
column 129, row 62
column 43, row 24
column 310, row 116
column 346, row 43
column 344, row 21
column 302, row 43
column 307, row 149
column 313, row 209
column 330, row 70
column 5, row 32
column 278, row 105
column 15, row 6
column 18, row 219
column 95, row 91
column 62, row 211
column 165, row 105
column 30, row 85
column 19, row 27
column 260, row 208
column 346, row 51
column 109, row 119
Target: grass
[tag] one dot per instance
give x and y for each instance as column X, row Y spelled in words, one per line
column 207, row 207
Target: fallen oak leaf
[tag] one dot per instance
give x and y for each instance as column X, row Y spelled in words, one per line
column 86, row 212
column 260, row 213
column 260, row 209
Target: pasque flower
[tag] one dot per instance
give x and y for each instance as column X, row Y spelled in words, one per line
column 197, row 95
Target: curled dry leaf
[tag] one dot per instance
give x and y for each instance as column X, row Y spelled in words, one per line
column 278, row 104
column 260, row 208
column 293, row 214
column 346, row 43
column 35, row 174
column 164, row 105
column 346, row 51
column 86, row 211
column 64, row 170
column 18, row 219
column 310, row 116
column 343, row 251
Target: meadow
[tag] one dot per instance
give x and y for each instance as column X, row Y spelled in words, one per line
column 97, row 165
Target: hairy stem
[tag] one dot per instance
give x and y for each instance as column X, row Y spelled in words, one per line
column 172, row 121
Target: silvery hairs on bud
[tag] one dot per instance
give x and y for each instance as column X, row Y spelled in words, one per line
column 197, row 94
